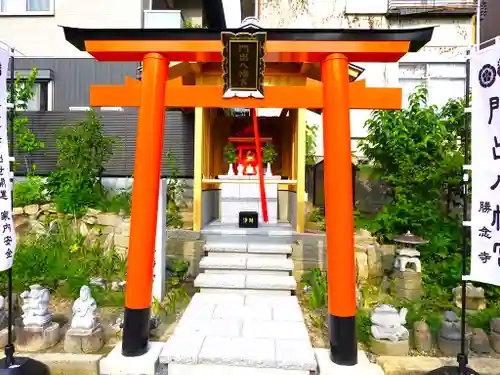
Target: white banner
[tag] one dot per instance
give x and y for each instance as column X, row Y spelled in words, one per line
column 485, row 214
column 7, row 230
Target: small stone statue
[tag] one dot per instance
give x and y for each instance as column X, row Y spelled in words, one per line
column 450, row 335
column 83, row 310
column 422, row 336
column 3, row 314
column 35, row 330
column 389, row 336
column 36, row 306
column 387, row 323
column 3, row 324
column 85, row 334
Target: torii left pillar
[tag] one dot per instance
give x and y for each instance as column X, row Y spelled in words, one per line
column 147, row 169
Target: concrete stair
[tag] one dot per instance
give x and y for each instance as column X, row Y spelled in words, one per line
column 245, row 320
column 243, row 265
column 246, row 284
column 247, row 268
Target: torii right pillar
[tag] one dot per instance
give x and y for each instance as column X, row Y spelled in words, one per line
column 339, row 211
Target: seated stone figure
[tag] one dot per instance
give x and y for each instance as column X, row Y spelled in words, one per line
column 83, row 311
column 36, row 306
column 387, row 323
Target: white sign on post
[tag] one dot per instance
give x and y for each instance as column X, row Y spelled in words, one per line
column 7, row 231
column 485, row 214
column 160, row 243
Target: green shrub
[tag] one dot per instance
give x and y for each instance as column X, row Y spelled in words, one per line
column 111, row 201
column 316, row 283
column 63, row 260
column 417, row 153
column 30, row 191
column 316, row 216
column 83, row 152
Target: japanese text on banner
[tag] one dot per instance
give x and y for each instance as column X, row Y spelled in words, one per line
column 485, row 215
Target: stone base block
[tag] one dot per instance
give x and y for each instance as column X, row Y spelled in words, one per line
column 34, row 339
column 386, row 347
column 408, row 279
column 450, row 348
column 495, row 341
column 4, row 337
column 147, row 364
column 364, row 367
column 409, row 294
column 84, row 342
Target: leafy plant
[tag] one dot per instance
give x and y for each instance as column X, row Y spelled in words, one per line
column 417, row 153
column 316, row 216
column 111, row 201
column 188, row 24
column 25, row 140
column 30, row 191
column 176, row 291
column 175, row 194
column 230, row 153
column 315, row 280
column 63, row 260
column 269, row 153
column 83, row 152
column 311, row 133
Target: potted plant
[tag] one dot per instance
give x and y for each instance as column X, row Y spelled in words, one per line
column 231, row 156
column 269, row 156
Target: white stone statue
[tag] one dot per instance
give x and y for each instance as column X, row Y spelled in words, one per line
column 387, row 323
column 83, row 311
column 36, row 306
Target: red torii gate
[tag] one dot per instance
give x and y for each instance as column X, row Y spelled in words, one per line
column 334, row 49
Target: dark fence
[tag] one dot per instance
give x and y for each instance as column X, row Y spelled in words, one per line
column 178, row 138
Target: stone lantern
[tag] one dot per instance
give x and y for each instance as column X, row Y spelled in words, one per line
column 407, row 267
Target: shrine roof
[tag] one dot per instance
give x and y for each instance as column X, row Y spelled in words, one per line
column 177, row 39
column 417, row 37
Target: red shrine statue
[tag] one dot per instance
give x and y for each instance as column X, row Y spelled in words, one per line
column 245, row 146
column 250, row 167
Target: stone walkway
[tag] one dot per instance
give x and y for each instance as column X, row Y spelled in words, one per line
column 245, row 317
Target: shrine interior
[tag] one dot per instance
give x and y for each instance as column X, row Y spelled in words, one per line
column 223, row 126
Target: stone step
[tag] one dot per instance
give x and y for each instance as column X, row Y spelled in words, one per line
column 242, row 283
column 215, row 254
column 283, row 238
column 248, row 247
column 202, row 369
column 244, row 263
column 247, row 266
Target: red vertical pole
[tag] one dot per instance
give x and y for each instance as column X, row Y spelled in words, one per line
column 339, row 210
column 259, row 163
column 147, row 168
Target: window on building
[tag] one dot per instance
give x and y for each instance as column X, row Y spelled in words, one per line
column 443, row 80
column 26, row 7
column 40, row 102
column 38, row 5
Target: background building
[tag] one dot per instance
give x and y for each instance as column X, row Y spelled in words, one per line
column 440, row 64
column 31, row 26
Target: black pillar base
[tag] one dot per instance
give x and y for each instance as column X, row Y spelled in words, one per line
column 135, row 332
column 452, row 370
column 343, row 343
column 23, row 366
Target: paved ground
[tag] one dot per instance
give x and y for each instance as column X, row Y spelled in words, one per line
column 249, row 331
